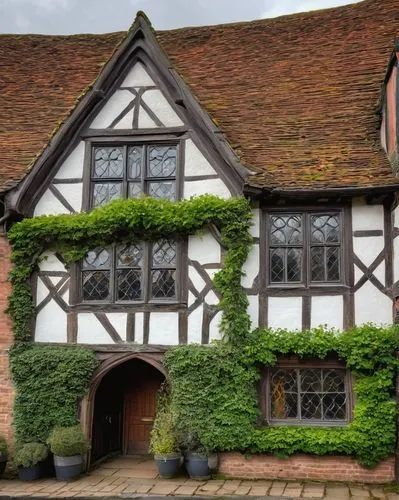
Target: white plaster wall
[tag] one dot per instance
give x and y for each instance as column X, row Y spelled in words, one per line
column 255, row 228
column 51, row 324
column 164, row 328
column 118, row 321
column 367, row 249
column 211, row 298
column 72, row 167
column 251, row 267
column 195, row 161
column 159, row 105
column 49, row 262
column 194, row 328
column 138, row 77
column 48, row 204
column 73, row 194
column 196, row 279
column 214, row 327
column 139, row 327
column 41, row 291
column 328, row 311
column 285, row 312
column 111, row 109
column 253, row 310
column 91, row 331
column 366, row 217
column 372, row 306
column 395, row 216
column 210, row 186
column 204, row 248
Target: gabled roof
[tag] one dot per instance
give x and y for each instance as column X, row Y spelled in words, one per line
column 296, row 96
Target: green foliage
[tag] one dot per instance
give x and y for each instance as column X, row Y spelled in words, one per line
column 50, row 381
column 163, row 437
column 214, row 388
column 147, row 218
column 67, row 441
column 29, row 454
column 3, row 446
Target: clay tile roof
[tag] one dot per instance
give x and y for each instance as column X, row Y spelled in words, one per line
column 296, row 96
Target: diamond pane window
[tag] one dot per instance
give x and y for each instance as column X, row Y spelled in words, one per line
column 135, row 272
column 306, row 395
column 304, row 248
column 123, row 171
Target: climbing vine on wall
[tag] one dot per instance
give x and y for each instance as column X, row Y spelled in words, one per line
column 214, row 392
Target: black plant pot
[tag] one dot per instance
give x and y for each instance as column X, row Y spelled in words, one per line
column 29, row 473
column 3, row 463
column 197, row 466
column 168, row 465
column 67, row 468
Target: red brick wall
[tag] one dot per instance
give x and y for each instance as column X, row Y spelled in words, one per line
column 329, row 468
column 6, row 339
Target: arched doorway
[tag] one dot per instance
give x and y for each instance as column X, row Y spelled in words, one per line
column 121, row 405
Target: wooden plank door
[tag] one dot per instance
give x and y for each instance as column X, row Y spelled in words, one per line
column 140, row 406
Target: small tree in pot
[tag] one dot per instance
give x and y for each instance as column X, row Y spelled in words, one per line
column 163, row 442
column 68, row 445
column 28, row 458
column 195, row 453
column 3, row 454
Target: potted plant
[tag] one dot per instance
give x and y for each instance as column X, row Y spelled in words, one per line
column 163, row 443
column 28, row 458
column 68, row 445
column 3, row 455
column 196, row 456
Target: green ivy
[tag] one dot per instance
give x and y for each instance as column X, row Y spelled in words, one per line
column 214, row 392
column 73, row 235
column 49, row 382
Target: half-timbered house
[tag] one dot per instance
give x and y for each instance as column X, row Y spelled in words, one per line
column 298, row 114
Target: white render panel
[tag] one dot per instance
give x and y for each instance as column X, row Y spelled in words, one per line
column 73, row 194
column 196, row 279
column 54, row 279
column 327, row 310
column 253, row 310
column 49, row 262
column 211, row 298
column 66, row 296
column 126, row 121
column 214, row 327
column 91, row 331
column 358, row 273
column 112, row 108
column 211, row 272
column 372, row 306
column 49, row 205
column 139, row 328
column 204, row 248
column 285, row 312
column 195, row 161
column 138, row 77
column 72, row 167
column 251, row 267
column 367, row 217
column 159, row 105
column 41, row 291
column 145, row 121
column 194, row 327
column 51, row 324
column 164, row 328
column 118, row 321
column 191, row 298
column 210, row 186
column 367, row 249
column 379, row 273
column 396, row 259
column 255, row 228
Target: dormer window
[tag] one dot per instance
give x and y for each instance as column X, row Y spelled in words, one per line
column 130, row 170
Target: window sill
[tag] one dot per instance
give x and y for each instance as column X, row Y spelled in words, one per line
column 129, row 307
column 296, row 423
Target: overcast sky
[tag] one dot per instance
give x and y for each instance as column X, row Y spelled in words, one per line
column 98, row 16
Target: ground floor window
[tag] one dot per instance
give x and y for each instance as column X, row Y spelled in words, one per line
column 306, row 395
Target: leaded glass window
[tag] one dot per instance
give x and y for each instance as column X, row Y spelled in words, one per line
column 139, row 272
column 305, row 248
column 128, row 171
column 308, row 395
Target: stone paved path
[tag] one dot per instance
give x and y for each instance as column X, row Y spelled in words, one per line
column 126, row 477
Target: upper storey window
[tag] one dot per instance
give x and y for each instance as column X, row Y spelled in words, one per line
column 304, row 248
column 127, row 171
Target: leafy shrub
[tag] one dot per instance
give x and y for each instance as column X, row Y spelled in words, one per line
column 3, row 446
column 67, row 441
column 29, row 454
column 163, row 438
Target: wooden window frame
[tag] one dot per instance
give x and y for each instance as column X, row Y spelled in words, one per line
column 294, row 362
column 124, row 142
column 305, row 284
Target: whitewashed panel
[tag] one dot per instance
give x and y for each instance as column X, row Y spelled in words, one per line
column 367, row 217
column 367, row 249
column 251, row 267
column 91, row 331
column 118, row 321
column 138, row 77
column 253, row 310
column 195, row 161
column 210, row 186
column 372, row 306
column 204, row 248
column 139, row 328
column 49, row 262
column 48, row 204
column 194, row 329
column 41, row 291
column 285, row 312
column 327, row 311
column 197, row 281
column 112, row 108
column 255, row 228
column 51, row 324
column 214, row 327
column 72, row 167
column 159, row 105
column 73, row 194
column 164, row 328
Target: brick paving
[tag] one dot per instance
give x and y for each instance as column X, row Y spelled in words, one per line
column 132, row 477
